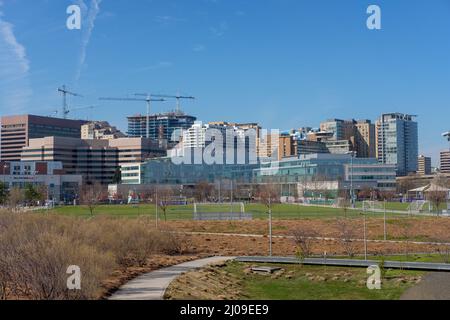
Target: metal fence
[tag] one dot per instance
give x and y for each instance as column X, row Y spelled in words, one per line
column 222, row 216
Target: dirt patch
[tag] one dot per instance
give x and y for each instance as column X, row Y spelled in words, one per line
column 211, row 283
column 433, row 229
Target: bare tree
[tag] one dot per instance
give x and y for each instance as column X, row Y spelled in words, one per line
column 441, row 181
column 344, row 201
column 406, row 233
column 444, row 253
column 203, row 191
column 269, row 195
column 91, row 196
column 164, row 198
column 407, row 183
column 437, row 198
column 15, row 198
column 386, row 195
column 347, row 234
column 304, row 238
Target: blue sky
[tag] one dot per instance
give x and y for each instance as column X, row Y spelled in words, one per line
column 283, row 63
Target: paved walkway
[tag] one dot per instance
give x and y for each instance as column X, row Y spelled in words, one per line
column 434, row 286
column 152, row 286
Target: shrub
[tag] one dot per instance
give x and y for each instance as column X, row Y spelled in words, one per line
column 36, row 250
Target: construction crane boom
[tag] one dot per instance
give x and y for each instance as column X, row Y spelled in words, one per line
column 178, row 97
column 64, row 92
column 148, row 99
column 447, row 136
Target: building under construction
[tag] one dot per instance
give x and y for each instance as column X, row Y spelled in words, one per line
column 161, row 126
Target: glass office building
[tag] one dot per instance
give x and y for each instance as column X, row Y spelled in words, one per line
column 398, row 142
column 326, row 167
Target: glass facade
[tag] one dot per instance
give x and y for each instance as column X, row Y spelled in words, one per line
column 326, row 167
column 398, row 142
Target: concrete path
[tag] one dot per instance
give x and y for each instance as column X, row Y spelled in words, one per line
column 152, row 286
column 434, row 286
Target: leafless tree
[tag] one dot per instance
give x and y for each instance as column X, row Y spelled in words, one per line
column 406, row 233
column 407, row 183
column 437, row 198
column 203, row 191
column 91, row 196
column 444, row 253
column 304, row 238
column 269, row 195
column 164, row 198
column 387, row 195
column 15, row 198
column 344, row 201
column 347, row 234
column 441, row 181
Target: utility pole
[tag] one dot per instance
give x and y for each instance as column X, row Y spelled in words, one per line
column 365, row 237
column 156, row 208
column 352, row 192
column 384, row 228
column 270, row 226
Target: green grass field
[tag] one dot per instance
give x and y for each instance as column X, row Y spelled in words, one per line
column 320, row 283
column 280, row 211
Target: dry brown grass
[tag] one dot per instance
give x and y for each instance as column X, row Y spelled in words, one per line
column 36, row 250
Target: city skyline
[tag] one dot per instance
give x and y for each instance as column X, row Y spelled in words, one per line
column 218, row 51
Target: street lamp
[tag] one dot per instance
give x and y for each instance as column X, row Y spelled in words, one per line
column 270, row 226
column 352, row 191
column 365, row 236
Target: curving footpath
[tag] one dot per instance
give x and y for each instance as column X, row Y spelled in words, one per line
column 434, row 286
column 153, row 285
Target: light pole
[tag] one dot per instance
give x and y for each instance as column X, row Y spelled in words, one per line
column 352, row 196
column 270, row 226
column 365, row 236
column 384, row 222
column 156, row 208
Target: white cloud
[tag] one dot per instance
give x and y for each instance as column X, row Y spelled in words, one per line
column 87, row 29
column 159, row 65
column 219, row 30
column 15, row 90
column 199, row 48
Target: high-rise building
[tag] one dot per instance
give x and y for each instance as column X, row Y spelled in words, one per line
column 397, row 142
column 445, row 161
column 287, row 146
column 423, row 165
column 336, row 126
column 161, row 126
column 360, row 133
column 365, row 139
column 17, row 130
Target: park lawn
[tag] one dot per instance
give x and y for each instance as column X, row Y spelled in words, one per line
column 185, row 212
column 320, row 283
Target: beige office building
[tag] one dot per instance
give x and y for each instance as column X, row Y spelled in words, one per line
column 424, row 165
column 96, row 160
column 445, row 161
column 16, row 131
